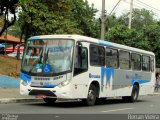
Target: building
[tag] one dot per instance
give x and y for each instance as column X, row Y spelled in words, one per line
column 8, row 41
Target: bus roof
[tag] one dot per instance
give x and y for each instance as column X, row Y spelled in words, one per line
column 93, row 40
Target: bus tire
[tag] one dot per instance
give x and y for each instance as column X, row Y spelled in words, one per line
column 135, row 93
column 91, row 97
column 49, row 101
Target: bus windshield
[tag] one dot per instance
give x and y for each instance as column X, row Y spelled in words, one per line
column 48, row 56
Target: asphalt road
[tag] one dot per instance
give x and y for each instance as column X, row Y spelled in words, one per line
column 145, row 105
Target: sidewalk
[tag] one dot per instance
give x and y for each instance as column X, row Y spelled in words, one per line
column 9, row 91
column 12, row 95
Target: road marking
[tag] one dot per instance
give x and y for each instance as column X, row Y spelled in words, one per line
column 118, row 110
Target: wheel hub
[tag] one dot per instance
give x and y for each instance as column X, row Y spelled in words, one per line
column 91, row 95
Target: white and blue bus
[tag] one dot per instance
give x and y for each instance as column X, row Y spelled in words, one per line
column 78, row 67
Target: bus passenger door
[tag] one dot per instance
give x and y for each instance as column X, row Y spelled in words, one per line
column 80, row 59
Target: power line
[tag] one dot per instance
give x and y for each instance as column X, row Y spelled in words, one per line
column 141, row 6
column 134, row 4
column 148, row 5
column 115, row 7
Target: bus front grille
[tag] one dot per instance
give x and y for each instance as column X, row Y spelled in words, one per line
column 43, row 92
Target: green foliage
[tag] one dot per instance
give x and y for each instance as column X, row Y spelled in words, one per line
column 84, row 16
column 152, row 35
column 140, row 18
column 51, row 17
column 123, row 35
column 15, row 30
column 58, row 17
column 112, row 21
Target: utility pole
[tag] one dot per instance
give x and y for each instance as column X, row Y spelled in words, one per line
column 130, row 15
column 103, row 20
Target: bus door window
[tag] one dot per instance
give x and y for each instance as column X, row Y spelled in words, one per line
column 81, row 60
column 84, row 58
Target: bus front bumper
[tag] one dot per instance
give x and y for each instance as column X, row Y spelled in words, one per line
column 63, row 93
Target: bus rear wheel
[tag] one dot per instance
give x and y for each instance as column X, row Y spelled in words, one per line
column 134, row 95
column 91, row 97
column 49, row 101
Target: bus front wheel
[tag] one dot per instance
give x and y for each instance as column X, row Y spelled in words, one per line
column 49, row 101
column 91, row 97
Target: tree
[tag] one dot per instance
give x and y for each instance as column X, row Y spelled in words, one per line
column 152, row 35
column 6, row 7
column 140, row 18
column 112, row 20
column 123, row 35
column 84, row 15
column 15, row 30
column 47, row 17
column 58, row 17
column 1, row 22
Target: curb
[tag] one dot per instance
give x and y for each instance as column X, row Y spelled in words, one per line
column 18, row 100
column 154, row 94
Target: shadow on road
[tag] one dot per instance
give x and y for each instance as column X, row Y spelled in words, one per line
column 73, row 104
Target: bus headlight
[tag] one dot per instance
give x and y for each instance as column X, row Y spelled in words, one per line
column 23, row 83
column 64, row 83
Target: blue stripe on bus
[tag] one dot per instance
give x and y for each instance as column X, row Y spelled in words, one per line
column 140, row 81
column 106, row 74
column 102, row 42
column 26, row 78
column 34, row 38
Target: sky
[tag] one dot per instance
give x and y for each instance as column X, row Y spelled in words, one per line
column 124, row 6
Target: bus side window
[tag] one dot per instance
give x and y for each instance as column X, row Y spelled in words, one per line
column 145, row 63
column 97, row 55
column 111, row 58
column 135, row 61
column 124, row 60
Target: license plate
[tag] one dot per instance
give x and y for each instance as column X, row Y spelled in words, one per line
column 41, row 96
